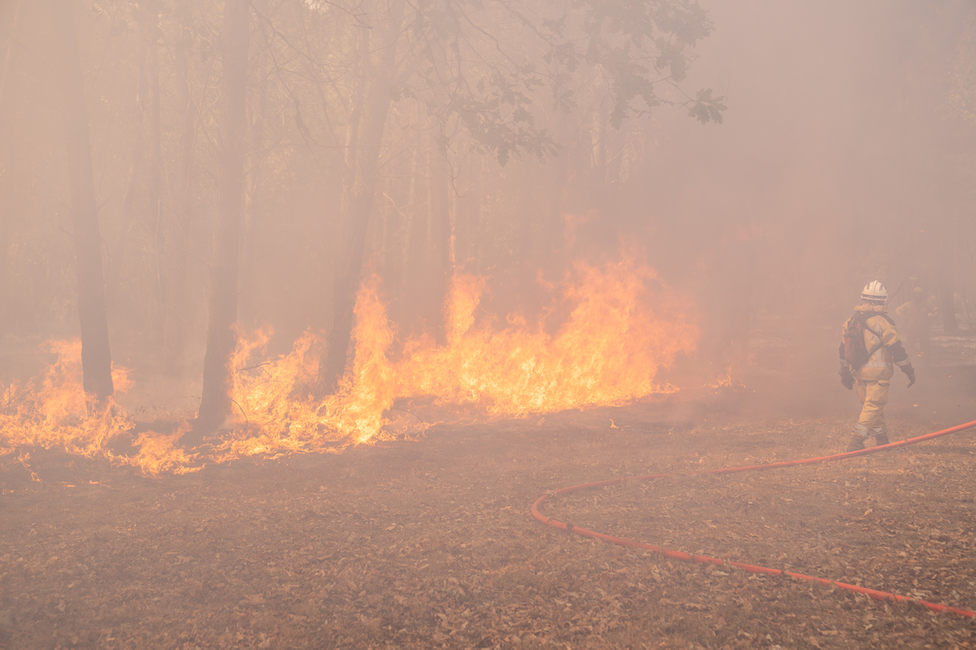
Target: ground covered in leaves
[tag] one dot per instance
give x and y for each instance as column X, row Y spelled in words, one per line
column 430, row 544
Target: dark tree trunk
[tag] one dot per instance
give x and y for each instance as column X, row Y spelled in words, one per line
column 215, row 404
column 361, row 179
column 96, row 358
column 356, row 225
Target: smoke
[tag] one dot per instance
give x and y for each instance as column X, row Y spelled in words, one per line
column 846, row 154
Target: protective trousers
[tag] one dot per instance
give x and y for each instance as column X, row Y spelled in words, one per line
column 873, row 395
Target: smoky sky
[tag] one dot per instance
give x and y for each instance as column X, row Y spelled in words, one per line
column 836, row 162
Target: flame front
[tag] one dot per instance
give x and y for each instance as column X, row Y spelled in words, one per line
column 57, row 413
column 620, row 325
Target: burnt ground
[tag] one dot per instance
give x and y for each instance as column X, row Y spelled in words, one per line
column 430, row 544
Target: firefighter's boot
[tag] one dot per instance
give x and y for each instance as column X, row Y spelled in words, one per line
column 856, row 443
column 881, row 437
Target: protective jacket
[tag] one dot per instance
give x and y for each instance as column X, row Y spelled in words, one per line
column 888, row 355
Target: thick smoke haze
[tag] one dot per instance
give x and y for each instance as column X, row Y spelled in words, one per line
column 845, row 154
column 365, row 323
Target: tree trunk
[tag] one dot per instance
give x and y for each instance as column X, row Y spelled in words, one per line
column 157, row 228
column 356, row 225
column 182, row 220
column 329, row 272
column 255, row 132
column 8, row 61
column 215, row 404
column 117, row 252
column 439, row 204
column 416, row 244
column 355, row 217
column 96, row 358
column 440, row 239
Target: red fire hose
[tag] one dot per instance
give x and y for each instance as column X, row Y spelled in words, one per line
column 688, row 557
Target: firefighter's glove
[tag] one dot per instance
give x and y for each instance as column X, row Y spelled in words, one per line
column 846, row 378
column 908, row 370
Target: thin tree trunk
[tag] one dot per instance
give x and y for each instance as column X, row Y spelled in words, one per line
column 157, row 228
column 416, row 244
column 252, row 215
column 441, row 226
column 117, row 256
column 329, row 273
column 96, row 358
column 180, row 235
column 215, row 404
column 440, row 239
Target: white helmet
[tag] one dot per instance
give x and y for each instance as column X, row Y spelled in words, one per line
column 874, row 291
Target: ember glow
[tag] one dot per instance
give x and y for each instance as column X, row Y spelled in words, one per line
column 620, row 325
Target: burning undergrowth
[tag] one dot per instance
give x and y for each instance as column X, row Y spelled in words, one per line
column 618, row 325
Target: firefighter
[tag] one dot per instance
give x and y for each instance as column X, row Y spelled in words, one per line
column 871, row 379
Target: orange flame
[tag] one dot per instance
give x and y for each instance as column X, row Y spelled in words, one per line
column 59, row 414
column 621, row 326
column 621, row 330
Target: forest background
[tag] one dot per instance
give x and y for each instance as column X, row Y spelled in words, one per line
column 251, row 162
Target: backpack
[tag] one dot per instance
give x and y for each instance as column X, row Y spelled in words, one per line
column 855, row 352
